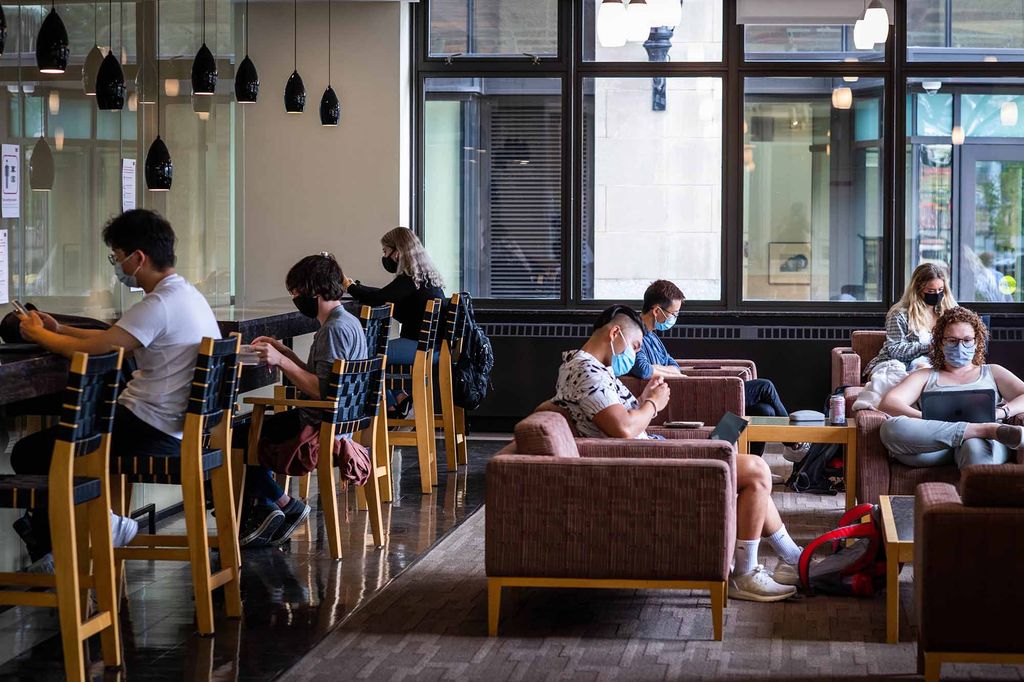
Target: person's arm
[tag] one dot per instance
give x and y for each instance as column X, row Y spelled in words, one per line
column 307, row 382
column 667, row 371
column 642, row 368
column 897, row 345
column 399, row 288
column 615, row 421
column 900, row 399
column 282, row 349
column 96, row 342
column 1011, row 388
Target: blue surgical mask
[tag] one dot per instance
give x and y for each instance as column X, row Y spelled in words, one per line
column 623, row 362
column 957, row 354
column 667, row 324
column 129, row 281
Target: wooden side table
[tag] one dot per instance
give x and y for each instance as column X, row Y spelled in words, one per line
column 898, row 532
column 780, row 429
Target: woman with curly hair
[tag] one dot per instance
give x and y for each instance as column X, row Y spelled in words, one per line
column 957, row 355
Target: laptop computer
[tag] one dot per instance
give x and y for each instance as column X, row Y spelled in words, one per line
column 729, row 428
column 976, row 406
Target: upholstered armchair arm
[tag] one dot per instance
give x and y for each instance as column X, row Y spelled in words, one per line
column 1018, row 420
column 602, row 518
column 845, row 368
column 696, row 367
column 872, row 457
column 659, row 449
column 703, row 399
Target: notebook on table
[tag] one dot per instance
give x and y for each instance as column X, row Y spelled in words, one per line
column 729, row 428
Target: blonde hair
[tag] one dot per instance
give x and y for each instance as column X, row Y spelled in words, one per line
column 412, row 257
column 912, row 302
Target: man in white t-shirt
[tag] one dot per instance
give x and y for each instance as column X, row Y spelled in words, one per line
column 162, row 331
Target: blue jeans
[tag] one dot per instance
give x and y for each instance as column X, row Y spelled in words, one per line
column 928, row 443
column 402, row 352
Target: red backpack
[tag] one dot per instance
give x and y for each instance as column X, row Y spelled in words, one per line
column 852, row 569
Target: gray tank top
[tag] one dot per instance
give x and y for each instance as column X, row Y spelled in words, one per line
column 983, row 381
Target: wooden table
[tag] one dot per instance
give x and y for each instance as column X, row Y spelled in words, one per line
column 898, row 532
column 781, row 430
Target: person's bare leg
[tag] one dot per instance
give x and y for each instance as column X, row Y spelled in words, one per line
column 754, row 484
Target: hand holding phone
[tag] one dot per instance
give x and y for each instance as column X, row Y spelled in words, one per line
column 21, row 310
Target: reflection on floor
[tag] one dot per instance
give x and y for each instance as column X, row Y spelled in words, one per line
column 293, row 595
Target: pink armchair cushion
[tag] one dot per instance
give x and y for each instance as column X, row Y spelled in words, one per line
column 867, row 344
column 546, row 433
column 993, row 486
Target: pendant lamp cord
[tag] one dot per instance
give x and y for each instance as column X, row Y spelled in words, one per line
column 95, row 24
column 204, row 22
column 157, row 55
column 110, row 23
column 295, row 54
column 328, row 43
column 246, row 27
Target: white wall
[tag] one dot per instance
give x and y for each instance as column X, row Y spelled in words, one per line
column 308, row 188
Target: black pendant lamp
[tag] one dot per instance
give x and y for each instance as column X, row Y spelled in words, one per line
column 93, row 60
column 295, row 89
column 41, row 167
column 159, row 168
column 52, row 44
column 3, row 29
column 330, row 107
column 204, row 67
column 247, row 81
column 110, row 79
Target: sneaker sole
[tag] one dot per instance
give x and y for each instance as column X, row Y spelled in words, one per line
column 285, row 534
column 736, row 593
column 263, row 532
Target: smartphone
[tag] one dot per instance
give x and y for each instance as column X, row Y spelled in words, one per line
column 19, row 308
column 683, row 425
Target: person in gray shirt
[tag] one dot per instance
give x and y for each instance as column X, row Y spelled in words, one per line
column 315, row 285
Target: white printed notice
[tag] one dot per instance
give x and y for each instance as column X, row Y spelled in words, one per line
column 10, row 198
column 4, row 275
column 127, row 184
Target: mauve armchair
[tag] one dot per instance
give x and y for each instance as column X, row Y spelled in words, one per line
column 691, row 398
column 848, row 363
column 602, row 513
column 967, row 564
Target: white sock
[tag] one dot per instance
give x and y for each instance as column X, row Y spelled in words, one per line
column 784, row 546
column 745, row 557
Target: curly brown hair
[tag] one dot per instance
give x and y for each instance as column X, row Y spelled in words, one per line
column 955, row 316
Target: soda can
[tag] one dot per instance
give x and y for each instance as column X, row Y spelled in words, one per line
column 837, row 410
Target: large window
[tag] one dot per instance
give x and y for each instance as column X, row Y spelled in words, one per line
column 494, row 27
column 965, row 30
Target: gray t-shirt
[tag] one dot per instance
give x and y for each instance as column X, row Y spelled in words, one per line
column 340, row 338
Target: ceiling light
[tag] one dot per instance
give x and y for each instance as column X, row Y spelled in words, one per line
column 842, row 98
column 638, row 20
column 52, row 44
column 611, row 23
column 247, row 81
column 1008, row 114
column 877, row 20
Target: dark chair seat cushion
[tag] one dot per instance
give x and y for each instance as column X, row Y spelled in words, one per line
column 160, row 468
column 21, row 491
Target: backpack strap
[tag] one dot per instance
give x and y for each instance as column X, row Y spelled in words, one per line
column 857, row 530
column 855, row 514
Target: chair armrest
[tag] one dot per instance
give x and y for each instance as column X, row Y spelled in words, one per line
column 1018, row 420
column 621, row 448
column 741, row 373
column 845, row 368
column 704, row 399
column 872, row 457
column 748, row 365
column 289, row 402
column 700, row 433
column 600, row 518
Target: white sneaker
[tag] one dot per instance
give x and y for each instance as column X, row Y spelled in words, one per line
column 758, row 586
column 797, row 454
column 123, row 529
column 786, row 574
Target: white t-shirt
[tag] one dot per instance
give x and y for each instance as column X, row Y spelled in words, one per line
column 585, row 387
column 169, row 322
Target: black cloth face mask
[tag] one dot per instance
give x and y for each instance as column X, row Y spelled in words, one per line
column 389, row 264
column 933, row 299
column 307, row 305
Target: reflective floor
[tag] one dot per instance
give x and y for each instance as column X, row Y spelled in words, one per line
column 293, row 595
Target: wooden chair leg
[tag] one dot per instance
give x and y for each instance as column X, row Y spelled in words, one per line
column 382, row 452
column 448, row 422
column 361, row 502
column 718, row 609
column 431, row 431
column 104, row 577
column 304, row 486
column 371, row 490
column 424, row 435
column 194, row 501
column 932, row 668
column 227, row 538
column 329, row 504
column 84, row 555
column 69, row 606
column 462, row 445
column 493, row 606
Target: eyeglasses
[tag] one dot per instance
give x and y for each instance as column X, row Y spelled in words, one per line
column 949, row 341
column 112, row 259
column 669, row 316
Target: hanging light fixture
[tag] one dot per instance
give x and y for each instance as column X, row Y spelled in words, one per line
column 638, row 20
column 54, row 102
column 41, row 164
column 52, row 44
column 862, row 39
column 842, row 98
column 851, row 79
column 3, row 29
column 110, row 88
column 611, row 23
column 295, row 89
column 58, row 139
column 877, row 20
column 91, row 68
column 330, row 107
column 204, row 67
column 247, row 81
column 958, row 135
column 159, row 169
column 1008, row 113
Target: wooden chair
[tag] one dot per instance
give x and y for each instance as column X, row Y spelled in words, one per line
column 376, row 323
column 350, row 408
column 206, row 439
column 418, row 381
column 452, row 418
column 77, row 494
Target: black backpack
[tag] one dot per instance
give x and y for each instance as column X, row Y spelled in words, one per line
column 471, row 374
column 821, row 471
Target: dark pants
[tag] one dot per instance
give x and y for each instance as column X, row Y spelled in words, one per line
column 762, row 400
column 130, row 435
column 260, row 485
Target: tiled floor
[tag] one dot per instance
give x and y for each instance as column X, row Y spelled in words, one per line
column 293, row 596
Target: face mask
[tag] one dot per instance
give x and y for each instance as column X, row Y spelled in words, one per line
column 667, row 324
column 958, row 355
column 129, row 281
column 622, row 362
column 389, row 264
column 307, row 305
column 934, row 299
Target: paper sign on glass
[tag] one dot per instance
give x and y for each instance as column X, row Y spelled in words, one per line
column 4, row 272
column 127, row 184
column 10, row 189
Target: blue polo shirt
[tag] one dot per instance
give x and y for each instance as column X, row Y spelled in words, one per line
column 652, row 352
